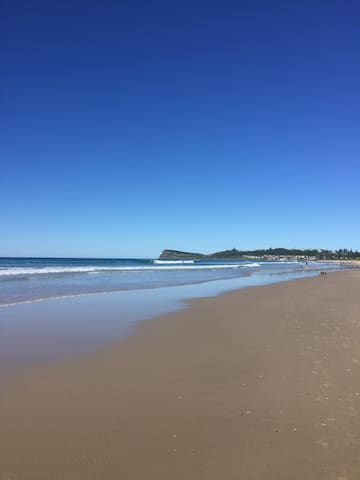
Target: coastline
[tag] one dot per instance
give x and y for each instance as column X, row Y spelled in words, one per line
column 256, row 383
column 55, row 329
column 31, row 280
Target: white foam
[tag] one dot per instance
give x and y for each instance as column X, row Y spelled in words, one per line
column 164, row 262
column 13, row 271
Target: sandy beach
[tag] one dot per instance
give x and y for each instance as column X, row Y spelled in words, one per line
column 260, row 383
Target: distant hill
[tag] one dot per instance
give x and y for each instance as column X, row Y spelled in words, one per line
column 176, row 254
column 270, row 253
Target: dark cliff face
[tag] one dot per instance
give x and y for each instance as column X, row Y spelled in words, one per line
column 176, row 254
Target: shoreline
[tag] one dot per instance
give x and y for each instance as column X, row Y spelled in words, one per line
column 257, row 383
column 57, row 329
column 344, row 264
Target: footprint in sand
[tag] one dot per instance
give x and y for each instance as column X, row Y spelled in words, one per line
column 322, row 442
column 327, row 385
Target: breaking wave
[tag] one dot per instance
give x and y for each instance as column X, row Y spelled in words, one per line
column 12, row 271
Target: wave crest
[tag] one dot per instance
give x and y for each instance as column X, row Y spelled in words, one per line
column 17, row 271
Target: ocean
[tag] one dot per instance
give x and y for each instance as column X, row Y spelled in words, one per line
column 31, row 279
column 90, row 303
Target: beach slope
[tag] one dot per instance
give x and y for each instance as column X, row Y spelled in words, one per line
column 261, row 383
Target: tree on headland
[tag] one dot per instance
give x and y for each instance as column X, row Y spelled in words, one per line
column 275, row 253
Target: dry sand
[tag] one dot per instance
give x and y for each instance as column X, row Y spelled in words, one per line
column 262, row 383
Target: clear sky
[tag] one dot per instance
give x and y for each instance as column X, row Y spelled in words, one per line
column 127, row 127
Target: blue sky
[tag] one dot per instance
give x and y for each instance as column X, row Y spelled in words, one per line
column 129, row 127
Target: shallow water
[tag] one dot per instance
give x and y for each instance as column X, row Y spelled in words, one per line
column 29, row 279
column 56, row 329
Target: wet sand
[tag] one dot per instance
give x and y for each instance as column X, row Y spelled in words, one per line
column 261, row 383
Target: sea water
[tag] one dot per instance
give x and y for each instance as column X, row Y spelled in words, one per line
column 30, row 279
column 90, row 303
